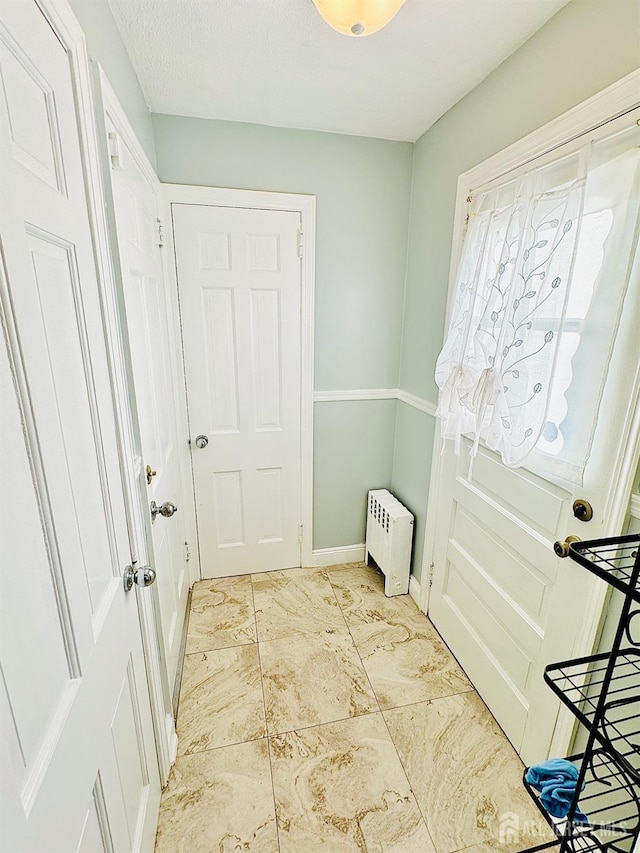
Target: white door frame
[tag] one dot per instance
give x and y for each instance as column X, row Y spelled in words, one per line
column 305, row 205
column 607, row 105
column 59, row 12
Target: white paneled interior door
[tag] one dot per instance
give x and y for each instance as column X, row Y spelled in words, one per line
column 503, row 601
column 154, row 347
column 239, row 281
column 79, row 767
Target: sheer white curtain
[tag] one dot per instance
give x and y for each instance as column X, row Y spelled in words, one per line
column 496, row 369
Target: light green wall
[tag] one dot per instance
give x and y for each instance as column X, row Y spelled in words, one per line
column 412, row 469
column 354, row 453
column 106, row 47
column 587, row 46
column 362, row 187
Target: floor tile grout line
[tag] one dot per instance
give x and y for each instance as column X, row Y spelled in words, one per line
column 409, row 783
column 375, row 695
column 282, row 732
column 393, row 743
column 425, row 701
column 404, row 769
column 266, row 723
column 220, row 648
column 326, row 723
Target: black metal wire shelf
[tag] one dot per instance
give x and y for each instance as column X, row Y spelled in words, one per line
column 579, row 684
column 610, row 802
column 603, row 692
column 613, row 560
column 580, row 844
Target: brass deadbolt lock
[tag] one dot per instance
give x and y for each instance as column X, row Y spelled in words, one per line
column 562, row 547
column 582, row 510
column 150, row 474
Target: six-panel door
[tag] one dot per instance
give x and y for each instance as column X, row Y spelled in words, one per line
column 239, row 284
column 79, row 770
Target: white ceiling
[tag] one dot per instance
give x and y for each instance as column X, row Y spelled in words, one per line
column 276, row 62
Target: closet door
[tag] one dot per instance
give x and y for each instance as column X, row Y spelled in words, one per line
column 79, row 769
column 154, row 345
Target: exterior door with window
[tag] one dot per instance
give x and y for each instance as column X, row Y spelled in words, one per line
column 79, row 765
column 239, row 282
column 502, row 600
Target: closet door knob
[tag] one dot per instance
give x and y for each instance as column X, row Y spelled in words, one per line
column 142, row 576
column 201, row 441
column 166, row 510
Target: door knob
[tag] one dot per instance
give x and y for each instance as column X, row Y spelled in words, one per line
column 562, row 547
column 201, row 441
column 143, row 576
column 166, row 510
column 582, row 510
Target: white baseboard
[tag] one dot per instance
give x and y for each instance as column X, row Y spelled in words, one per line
column 333, row 556
column 415, row 590
column 172, row 738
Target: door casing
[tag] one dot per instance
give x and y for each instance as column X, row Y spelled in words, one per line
column 305, row 205
column 607, row 105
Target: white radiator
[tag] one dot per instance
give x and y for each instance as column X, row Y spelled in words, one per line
column 389, row 538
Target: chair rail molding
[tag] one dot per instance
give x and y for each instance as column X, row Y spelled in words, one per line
column 345, row 396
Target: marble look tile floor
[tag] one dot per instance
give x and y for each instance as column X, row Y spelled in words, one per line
column 318, row 715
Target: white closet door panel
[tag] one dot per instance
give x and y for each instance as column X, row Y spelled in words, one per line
column 153, row 334
column 69, row 632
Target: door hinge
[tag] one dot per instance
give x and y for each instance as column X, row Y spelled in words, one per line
column 160, row 225
column 431, row 571
column 300, row 243
column 113, row 142
column 300, row 533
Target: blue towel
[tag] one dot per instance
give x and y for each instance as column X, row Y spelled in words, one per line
column 556, row 781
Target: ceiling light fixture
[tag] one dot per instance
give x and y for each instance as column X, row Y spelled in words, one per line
column 358, row 17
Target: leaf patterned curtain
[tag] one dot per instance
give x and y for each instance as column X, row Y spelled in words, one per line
column 496, row 367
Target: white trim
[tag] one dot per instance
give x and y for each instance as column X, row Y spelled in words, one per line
column 606, row 106
column 634, row 508
column 113, row 108
column 334, row 556
column 305, row 205
column 172, row 737
column 416, row 402
column 376, row 394
column 613, row 101
column 415, row 590
column 355, row 394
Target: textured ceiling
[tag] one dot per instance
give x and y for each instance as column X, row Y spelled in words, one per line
column 276, row 62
